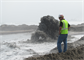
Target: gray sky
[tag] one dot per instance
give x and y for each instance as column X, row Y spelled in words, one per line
column 0, row 12
column 30, row 11
column 41, row 0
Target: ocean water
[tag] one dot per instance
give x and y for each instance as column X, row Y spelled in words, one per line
column 77, row 37
column 15, row 46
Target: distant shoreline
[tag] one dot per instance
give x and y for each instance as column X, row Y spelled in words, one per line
column 15, row 32
column 75, row 33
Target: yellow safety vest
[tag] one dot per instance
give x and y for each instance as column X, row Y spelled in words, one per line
column 64, row 29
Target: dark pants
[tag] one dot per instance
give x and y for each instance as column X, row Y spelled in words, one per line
column 62, row 38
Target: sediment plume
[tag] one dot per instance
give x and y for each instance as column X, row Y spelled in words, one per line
column 47, row 29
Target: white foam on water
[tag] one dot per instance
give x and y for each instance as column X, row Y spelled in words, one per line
column 12, row 47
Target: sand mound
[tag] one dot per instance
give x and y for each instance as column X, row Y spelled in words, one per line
column 73, row 54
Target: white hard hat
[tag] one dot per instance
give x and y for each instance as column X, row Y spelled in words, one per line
column 61, row 16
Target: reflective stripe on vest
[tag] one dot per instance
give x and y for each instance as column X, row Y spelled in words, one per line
column 64, row 26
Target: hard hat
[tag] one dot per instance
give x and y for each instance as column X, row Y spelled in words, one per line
column 61, row 16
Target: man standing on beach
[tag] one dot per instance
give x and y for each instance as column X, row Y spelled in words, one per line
column 63, row 33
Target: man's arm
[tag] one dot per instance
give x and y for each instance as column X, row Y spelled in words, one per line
column 60, row 27
column 68, row 26
column 60, row 30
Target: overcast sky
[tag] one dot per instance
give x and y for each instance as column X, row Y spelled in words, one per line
column 30, row 11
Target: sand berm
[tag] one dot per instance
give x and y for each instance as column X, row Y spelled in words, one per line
column 75, row 52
